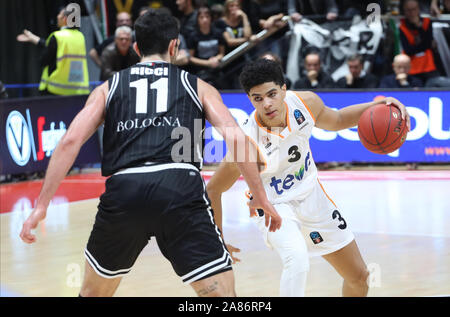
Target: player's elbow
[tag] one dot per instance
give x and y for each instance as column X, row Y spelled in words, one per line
column 339, row 122
column 69, row 141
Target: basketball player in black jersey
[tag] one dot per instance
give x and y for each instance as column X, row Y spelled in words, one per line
column 154, row 189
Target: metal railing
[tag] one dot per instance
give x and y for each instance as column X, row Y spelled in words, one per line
column 20, row 87
column 264, row 34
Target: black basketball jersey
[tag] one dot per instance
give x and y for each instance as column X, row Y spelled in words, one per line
column 153, row 114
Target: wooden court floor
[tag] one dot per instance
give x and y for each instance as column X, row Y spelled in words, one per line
column 402, row 227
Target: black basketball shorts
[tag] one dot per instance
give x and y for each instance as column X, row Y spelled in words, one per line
column 168, row 202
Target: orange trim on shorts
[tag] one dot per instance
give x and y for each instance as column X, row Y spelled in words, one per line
column 326, row 193
column 306, row 106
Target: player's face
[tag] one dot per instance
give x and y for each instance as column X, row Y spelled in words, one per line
column 268, row 100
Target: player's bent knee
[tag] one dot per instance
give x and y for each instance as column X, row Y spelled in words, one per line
column 360, row 278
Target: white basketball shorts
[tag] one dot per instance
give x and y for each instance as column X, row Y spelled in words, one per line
column 321, row 223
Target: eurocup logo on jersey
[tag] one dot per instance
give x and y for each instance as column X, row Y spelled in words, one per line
column 280, row 185
column 299, row 117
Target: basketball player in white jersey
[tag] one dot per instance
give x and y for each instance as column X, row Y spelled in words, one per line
column 313, row 225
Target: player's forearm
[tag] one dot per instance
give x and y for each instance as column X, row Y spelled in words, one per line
column 61, row 161
column 245, row 156
column 216, row 203
column 349, row 116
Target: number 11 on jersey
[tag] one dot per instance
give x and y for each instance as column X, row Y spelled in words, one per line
column 161, row 87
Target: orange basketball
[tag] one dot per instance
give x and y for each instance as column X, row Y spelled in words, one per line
column 381, row 129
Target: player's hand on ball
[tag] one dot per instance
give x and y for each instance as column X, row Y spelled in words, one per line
column 31, row 223
column 405, row 115
column 233, row 250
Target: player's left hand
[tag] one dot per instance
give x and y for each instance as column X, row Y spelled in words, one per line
column 405, row 115
column 31, row 223
column 233, row 250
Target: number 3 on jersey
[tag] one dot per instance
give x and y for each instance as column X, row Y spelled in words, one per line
column 161, row 87
column 342, row 223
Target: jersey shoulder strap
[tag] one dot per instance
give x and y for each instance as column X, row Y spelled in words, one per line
column 295, row 101
column 189, row 83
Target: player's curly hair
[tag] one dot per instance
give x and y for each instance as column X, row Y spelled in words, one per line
column 259, row 72
column 154, row 31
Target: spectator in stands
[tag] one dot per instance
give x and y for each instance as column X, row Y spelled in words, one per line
column 273, row 57
column 401, row 77
column 123, row 18
column 425, row 6
column 217, row 12
column 417, row 41
column 183, row 56
column 435, row 9
column 206, row 47
column 188, row 22
column 314, row 77
column 3, row 93
column 267, row 15
column 236, row 30
column 299, row 8
column 446, row 5
column 234, row 25
column 64, row 60
column 143, row 10
column 357, row 77
column 118, row 55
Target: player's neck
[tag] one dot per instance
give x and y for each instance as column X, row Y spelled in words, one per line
column 156, row 58
column 276, row 125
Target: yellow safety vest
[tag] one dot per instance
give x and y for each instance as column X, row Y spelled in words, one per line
column 71, row 74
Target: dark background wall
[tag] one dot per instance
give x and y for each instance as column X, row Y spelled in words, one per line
column 20, row 62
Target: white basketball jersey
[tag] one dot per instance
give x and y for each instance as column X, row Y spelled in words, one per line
column 290, row 172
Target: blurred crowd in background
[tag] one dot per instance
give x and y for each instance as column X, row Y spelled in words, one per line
column 313, row 40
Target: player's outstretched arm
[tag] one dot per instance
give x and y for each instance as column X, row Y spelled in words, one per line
column 80, row 130
column 240, row 149
column 332, row 120
column 224, row 177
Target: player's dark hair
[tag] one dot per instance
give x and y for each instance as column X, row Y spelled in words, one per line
column 259, row 72
column 154, row 31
